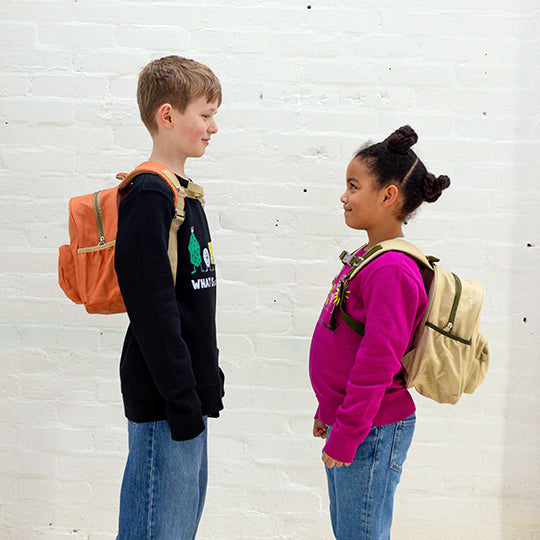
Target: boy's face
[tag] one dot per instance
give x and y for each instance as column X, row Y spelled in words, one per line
column 192, row 129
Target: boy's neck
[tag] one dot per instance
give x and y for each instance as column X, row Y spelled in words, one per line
column 172, row 161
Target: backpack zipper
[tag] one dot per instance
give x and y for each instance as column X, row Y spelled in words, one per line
column 99, row 218
column 455, row 304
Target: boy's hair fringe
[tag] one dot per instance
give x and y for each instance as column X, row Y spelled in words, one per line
column 175, row 80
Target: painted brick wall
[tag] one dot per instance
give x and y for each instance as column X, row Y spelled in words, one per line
column 305, row 83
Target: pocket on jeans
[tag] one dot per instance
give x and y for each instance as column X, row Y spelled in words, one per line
column 403, row 434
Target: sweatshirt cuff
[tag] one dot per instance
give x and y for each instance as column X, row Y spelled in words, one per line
column 186, row 422
column 340, row 448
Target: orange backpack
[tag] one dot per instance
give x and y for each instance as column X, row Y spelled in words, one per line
column 86, row 266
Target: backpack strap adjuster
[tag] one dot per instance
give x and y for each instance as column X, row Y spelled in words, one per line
column 350, row 258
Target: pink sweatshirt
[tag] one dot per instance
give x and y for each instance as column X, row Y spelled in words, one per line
column 358, row 381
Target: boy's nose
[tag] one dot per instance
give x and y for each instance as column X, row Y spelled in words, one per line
column 212, row 127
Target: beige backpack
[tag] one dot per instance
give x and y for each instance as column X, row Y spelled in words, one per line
column 449, row 356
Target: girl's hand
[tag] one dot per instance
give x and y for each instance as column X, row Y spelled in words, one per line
column 319, row 429
column 331, row 462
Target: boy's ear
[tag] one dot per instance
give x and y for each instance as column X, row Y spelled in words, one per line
column 164, row 116
column 391, row 194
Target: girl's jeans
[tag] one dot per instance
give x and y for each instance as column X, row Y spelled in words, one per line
column 164, row 484
column 362, row 495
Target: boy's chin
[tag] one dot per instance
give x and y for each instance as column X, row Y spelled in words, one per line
column 198, row 153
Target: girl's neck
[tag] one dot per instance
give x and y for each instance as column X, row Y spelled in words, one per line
column 378, row 236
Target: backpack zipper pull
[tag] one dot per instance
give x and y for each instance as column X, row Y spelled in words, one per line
column 99, row 219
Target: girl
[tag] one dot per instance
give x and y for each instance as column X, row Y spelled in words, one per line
column 365, row 412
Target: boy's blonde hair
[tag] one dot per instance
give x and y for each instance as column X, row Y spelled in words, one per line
column 177, row 81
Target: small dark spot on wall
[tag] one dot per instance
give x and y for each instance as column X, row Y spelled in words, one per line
column 524, row 319
column 529, row 244
column 305, row 190
column 484, row 113
column 261, row 95
column 277, row 222
column 309, row 7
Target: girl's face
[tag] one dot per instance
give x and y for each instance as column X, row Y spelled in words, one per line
column 361, row 200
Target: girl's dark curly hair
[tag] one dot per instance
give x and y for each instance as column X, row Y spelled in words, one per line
column 393, row 162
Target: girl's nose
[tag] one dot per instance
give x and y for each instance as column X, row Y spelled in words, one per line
column 343, row 198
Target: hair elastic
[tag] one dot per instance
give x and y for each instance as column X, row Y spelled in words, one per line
column 406, row 177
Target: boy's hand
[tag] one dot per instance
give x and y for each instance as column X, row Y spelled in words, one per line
column 319, row 429
column 331, row 462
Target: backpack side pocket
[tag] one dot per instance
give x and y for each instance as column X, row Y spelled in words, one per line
column 67, row 278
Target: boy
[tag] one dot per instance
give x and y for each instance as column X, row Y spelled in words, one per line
column 169, row 365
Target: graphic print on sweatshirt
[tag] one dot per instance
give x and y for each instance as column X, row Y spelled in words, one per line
column 202, row 261
column 332, row 300
column 333, row 296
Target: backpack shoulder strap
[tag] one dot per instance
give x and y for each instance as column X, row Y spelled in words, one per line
column 397, row 244
column 358, row 262
column 151, row 167
column 193, row 191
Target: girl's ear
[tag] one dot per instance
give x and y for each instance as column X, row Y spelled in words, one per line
column 391, row 194
column 164, row 116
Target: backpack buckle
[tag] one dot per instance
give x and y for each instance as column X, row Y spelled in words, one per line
column 350, row 259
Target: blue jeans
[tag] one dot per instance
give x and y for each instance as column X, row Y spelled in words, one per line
column 164, row 485
column 362, row 495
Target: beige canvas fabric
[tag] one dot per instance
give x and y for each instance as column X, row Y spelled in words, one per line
column 449, row 355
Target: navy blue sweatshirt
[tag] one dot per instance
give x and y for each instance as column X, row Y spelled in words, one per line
column 169, row 364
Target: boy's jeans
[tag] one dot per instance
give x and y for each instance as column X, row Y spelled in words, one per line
column 362, row 495
column 164, row 484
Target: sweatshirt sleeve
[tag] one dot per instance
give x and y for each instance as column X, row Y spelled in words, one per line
column 146, row 282
column 391, row 297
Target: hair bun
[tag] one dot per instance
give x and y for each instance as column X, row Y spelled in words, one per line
column 433, row 187
column 401, row 140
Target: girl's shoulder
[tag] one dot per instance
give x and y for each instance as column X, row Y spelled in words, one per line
column 392, row 262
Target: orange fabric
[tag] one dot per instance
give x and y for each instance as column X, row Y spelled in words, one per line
column 86, row 269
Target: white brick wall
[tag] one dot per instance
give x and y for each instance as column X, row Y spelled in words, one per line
column 305, row 83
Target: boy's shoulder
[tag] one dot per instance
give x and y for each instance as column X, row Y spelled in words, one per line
column 151, row 182
column 147, row 184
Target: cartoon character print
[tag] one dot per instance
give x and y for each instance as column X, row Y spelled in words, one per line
column 198, row 256
column 194, row 251
column 206, row 259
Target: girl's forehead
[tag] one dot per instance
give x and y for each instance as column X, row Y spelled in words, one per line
column 357, row 168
